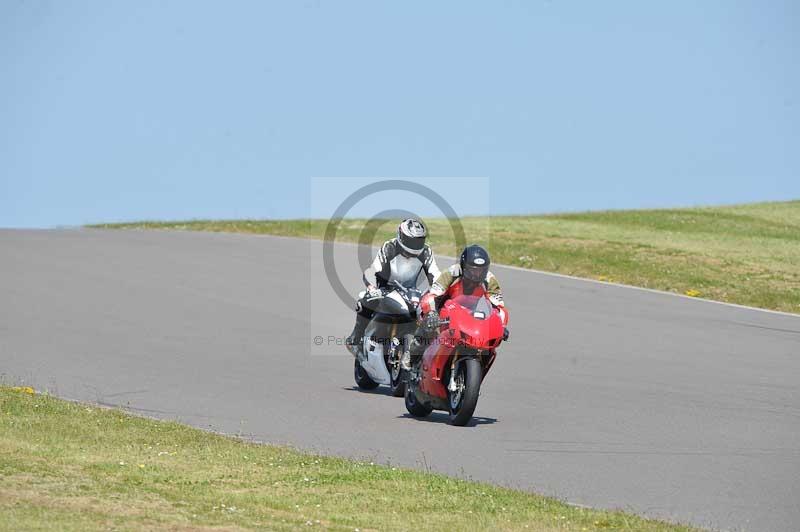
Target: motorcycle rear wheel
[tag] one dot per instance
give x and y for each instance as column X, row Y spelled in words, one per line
column 414, row 407
column 462, row 405
column 362, row 379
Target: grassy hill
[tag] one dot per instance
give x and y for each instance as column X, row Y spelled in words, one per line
column 746, row 254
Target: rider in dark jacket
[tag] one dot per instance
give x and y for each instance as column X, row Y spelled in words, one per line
column 471, row 276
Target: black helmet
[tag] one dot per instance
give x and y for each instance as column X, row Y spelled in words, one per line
column 474, row 263
column 411, row 236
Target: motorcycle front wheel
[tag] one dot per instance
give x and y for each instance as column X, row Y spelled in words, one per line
column 398, row 376
column 465, row 398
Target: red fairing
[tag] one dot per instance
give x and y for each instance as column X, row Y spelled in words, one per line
column 503, row 315
column 477, row 326
column 473, row 323
column 433, row 363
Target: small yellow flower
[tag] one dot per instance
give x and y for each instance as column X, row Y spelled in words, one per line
column 692, row 292
column 24, row 389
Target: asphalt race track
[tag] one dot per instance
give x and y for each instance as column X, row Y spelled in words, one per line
column 605, row 396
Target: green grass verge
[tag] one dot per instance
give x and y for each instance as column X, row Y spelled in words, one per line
column 746, row 254
column 68, row 466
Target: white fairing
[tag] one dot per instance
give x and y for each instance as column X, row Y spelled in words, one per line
column 405, row 270
column 374, row 364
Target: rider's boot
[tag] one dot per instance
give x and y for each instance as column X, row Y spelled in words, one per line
column 353, row 342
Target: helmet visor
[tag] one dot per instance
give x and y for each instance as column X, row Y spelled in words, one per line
column 412, row 244
column 475, row 274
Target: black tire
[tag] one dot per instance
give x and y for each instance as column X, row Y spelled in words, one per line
column 362, row 379
column 398, row 385
column 462, row 407
column 414, row 407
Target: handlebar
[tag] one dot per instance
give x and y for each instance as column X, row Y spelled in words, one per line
column 390, row 287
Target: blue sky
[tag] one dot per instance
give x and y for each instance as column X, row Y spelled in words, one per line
column 168, row 110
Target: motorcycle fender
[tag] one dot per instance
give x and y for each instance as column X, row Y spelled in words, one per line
column 492, row 356
column 460, row 360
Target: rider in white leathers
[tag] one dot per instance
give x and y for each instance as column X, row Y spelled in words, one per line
column 401, row 259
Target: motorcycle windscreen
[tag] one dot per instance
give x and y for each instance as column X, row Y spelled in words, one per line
column 474, row 303
column 393, row 305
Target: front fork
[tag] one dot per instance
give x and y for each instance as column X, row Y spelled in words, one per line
column 393, row 345
column 452, row 386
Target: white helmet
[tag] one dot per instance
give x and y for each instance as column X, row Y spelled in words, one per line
column 411, row 236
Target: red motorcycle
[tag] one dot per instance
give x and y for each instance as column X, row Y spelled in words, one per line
column 450, row 373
